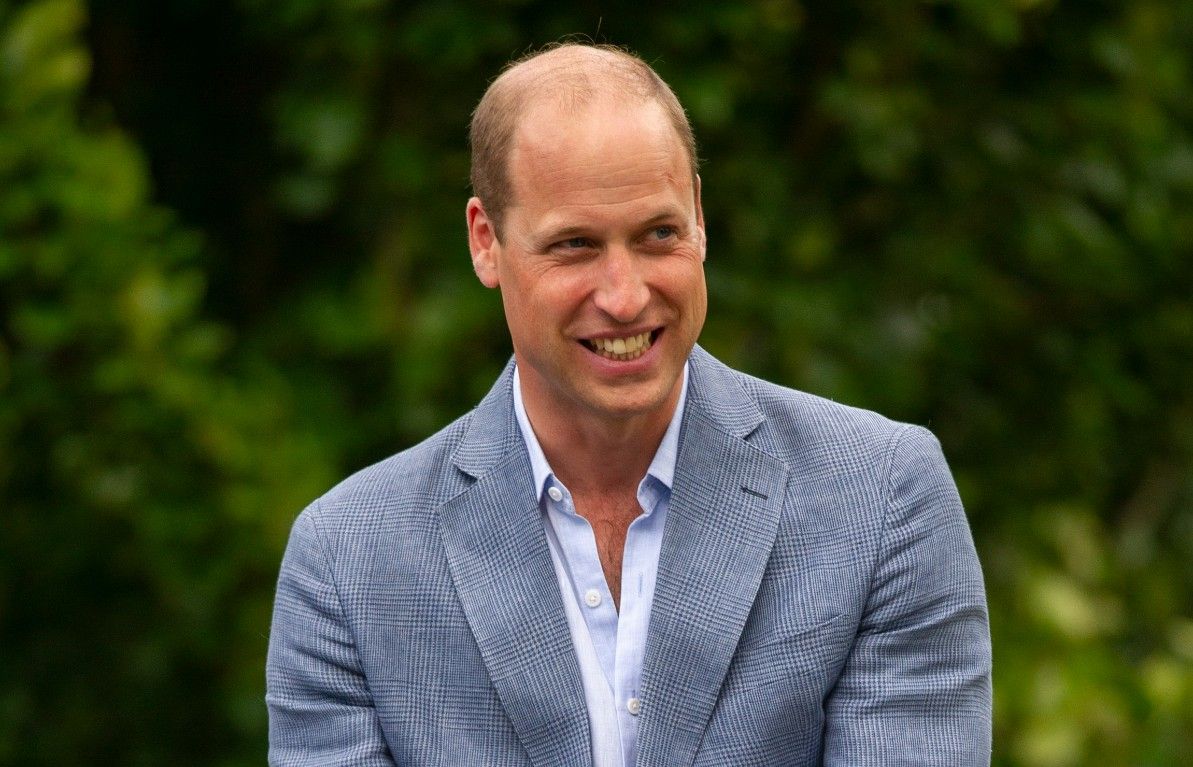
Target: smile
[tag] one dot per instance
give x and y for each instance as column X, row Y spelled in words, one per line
column 621, row 349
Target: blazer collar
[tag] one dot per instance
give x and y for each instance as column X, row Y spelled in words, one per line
column 717, row 395
column 492, row 434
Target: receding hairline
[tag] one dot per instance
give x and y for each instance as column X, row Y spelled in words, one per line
column 577, row 70
column 566, row 76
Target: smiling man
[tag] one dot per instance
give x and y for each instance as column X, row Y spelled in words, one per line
column 627, row 554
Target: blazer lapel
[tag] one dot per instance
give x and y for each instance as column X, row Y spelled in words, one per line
column 721, row 526
column 501, row 566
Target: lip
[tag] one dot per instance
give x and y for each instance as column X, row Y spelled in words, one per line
column 619, row 368
column 654, row 331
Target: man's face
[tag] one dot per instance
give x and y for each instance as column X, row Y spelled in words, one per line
column 601, row 260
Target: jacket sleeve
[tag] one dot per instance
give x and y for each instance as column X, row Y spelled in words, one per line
column 320, row 707
column 915, row 689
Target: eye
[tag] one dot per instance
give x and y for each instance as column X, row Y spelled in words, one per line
column 573, row 244
column 663, row 232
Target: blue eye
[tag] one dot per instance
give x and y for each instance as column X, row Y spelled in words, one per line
column 664, row 232
column 576, row 242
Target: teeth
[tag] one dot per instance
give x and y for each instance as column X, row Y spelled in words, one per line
column 621, row 349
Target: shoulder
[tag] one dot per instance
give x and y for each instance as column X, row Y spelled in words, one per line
column 811, row 434
column 400, row 491
column 851, row 473
column 801, row 424
column 854, row 470
column 860, row 488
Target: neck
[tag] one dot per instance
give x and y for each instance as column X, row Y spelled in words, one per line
column 594, row 454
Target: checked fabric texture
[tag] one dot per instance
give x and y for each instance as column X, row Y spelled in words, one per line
column 819, row 601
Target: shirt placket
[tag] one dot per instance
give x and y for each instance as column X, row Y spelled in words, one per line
column 587, row 577
column 636, row 597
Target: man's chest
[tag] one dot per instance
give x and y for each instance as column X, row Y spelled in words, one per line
column 610, row 517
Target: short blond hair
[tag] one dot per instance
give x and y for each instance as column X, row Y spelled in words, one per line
column 573, row 73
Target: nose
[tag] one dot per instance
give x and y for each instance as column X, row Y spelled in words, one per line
column 621, row 289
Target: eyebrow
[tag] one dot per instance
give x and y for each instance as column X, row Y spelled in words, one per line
column 665, row 215
column 553, row 235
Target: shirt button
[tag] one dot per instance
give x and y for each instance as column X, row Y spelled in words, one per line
column 633, row 705
column 555, row 493
column 592, row 598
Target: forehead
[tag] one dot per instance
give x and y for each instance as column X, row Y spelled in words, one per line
column 603, row 149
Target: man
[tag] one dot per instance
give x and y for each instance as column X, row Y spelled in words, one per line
column 627, row 553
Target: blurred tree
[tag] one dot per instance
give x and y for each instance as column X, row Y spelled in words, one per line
column 139, row 479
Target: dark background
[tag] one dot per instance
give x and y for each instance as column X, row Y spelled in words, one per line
column 233, row 269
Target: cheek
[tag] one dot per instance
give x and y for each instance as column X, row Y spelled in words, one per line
column 682, row 281
column 560, row 292
column 535, row 303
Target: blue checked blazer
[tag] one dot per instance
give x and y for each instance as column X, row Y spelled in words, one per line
column 819, row 601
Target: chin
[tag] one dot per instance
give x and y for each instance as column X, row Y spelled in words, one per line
column 629, row 404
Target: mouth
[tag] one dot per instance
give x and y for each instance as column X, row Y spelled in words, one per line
column 625, row 348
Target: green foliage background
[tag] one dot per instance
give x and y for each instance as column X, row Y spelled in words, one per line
column 233, row 269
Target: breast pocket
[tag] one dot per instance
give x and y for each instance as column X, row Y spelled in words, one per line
column 813, row 655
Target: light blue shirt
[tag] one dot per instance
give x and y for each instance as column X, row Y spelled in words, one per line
column 609, row 646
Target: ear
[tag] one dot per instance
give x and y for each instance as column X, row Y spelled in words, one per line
column 482, row 241
column 700, row 221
